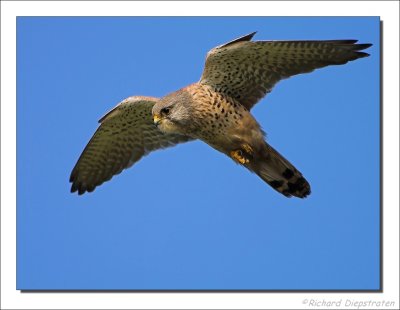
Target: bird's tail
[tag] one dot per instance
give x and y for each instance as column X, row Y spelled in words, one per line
column 279, row 173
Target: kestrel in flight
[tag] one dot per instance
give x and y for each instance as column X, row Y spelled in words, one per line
column 215, row 110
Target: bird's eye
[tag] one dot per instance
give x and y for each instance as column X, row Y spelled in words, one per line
column 165, row 111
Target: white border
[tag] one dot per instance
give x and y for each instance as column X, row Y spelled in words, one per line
column 13, row 299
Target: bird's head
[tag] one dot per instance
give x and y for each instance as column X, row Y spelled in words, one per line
column 172, row 113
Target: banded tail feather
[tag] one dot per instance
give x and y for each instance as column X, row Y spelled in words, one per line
column 279, row 173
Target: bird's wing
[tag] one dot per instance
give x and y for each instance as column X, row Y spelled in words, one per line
column 125, row 135
column 247, row 70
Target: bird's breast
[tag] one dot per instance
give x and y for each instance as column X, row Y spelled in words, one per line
column 218, row 118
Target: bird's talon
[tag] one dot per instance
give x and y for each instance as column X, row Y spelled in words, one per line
column 237, row 155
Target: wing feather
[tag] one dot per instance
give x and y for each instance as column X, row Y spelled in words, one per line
column 247, row 70
column 125, row 135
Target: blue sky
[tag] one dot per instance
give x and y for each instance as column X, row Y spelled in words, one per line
column 188, row 217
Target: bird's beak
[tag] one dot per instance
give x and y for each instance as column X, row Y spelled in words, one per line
column 156, row 119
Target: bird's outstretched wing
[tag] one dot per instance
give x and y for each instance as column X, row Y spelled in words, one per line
column 247, row 70
column 125, row 135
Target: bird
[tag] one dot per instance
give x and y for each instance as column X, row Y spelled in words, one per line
column 215, row 110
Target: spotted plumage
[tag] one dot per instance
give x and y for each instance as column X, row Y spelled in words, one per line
column 126, row 134
column 215, row 110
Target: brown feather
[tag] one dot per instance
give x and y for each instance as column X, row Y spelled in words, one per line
column 247, row 71
column 125, row 135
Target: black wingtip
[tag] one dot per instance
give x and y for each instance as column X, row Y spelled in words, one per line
column 362, row 54
column 352, row 50
column 342, row 41
column 250, row 35
column 74, row 188
column 363, row 46
column 72, row 177
column 80, row 188
column 247, row 37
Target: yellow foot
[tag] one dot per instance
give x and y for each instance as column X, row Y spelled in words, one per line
column 237, row 155
column 240, row 154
